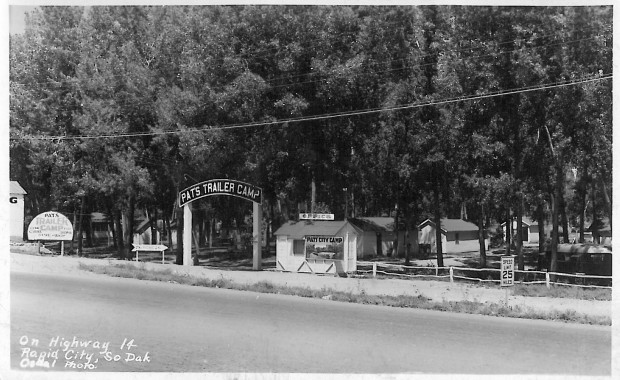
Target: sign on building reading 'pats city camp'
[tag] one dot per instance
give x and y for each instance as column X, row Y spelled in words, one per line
column 220, row 187
column 50, row 225
column 325, row 247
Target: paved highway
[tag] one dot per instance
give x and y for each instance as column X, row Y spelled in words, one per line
column 97, row 323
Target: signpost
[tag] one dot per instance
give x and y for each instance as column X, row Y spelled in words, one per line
column 150, row 248
column 507, row 273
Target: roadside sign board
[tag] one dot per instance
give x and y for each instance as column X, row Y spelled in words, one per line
column 507, row 271
column 50, row 225
column 313, row 216
column 149, row 247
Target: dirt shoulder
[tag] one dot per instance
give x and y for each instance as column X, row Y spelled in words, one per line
column 434, row 290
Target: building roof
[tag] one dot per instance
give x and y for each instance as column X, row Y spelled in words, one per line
column 583, row 248
column 382, row 223
column 16, row 188
column 451, row 225
column 527, row 221
column 98, row 217
column 602, row 225
column 297, row 230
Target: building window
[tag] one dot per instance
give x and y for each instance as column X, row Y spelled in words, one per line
column 299, row 247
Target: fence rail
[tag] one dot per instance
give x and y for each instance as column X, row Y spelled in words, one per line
column 483, row 275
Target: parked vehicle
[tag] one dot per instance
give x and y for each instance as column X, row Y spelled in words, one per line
column 594, row 259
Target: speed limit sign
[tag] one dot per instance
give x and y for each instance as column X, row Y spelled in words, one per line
column 508, row 271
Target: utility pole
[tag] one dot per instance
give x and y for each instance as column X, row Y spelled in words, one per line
column 346, row 203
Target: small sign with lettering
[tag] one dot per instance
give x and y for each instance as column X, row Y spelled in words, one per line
column 507, row 271
column 149, row 247
column 312, row 216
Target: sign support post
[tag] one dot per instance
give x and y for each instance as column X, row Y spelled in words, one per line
column 257, row 256
column 187, row 234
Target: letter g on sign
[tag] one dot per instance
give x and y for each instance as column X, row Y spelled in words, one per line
column 12, row 200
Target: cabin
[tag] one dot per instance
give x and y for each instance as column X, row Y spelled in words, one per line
column 457, row 236
column 385, row 235
column 143, row 233
column 16, row 211
column 318, row 246
column 601, row 231
column 530, row 229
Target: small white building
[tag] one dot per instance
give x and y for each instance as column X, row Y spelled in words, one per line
column 530, row 229
column 380, row 235
column 457, row 236
column 16, row 211
column 318, row 246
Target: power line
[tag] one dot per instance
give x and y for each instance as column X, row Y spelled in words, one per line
column 383, row 62
column 332, row 115
column 151, row 103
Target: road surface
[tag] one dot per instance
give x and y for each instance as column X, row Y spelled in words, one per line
column 98, row 323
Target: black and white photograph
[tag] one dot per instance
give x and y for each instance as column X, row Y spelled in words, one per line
column 276, row 190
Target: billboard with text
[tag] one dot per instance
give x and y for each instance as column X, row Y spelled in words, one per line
column 325, row 247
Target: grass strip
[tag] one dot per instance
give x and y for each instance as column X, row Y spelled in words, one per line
column 559, row 291
column 127, row 270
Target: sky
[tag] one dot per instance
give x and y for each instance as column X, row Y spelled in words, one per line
column 17, row 15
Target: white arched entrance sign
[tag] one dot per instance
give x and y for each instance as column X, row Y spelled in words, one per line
column 222, row 187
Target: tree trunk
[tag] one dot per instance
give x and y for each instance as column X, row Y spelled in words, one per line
column 88, row 226
column 396, row 223
column 201, row 228
column 481, row 241
column 540, row 216
column 607, row 199
column 120, row 246
column 582, row 218
column 438, row 227
column 129, row 231
column 80, row 226
column 553, row 266
column 169, row 233
column 594, row 229
column 75, row 229
column 211, row 224
column 564, row 217
column 407, row 241
column 111, row 228
column 313, row 195
column 153, row 226
column 519, row 242
column 508, row 232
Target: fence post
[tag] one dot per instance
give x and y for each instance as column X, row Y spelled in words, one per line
column 374, row 269
column 436, row 271
column 547, row 280
column 451, row 275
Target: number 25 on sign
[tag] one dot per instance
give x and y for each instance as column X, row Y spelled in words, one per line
column 508, row 271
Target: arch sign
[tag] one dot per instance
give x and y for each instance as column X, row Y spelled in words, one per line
column 222, row 187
